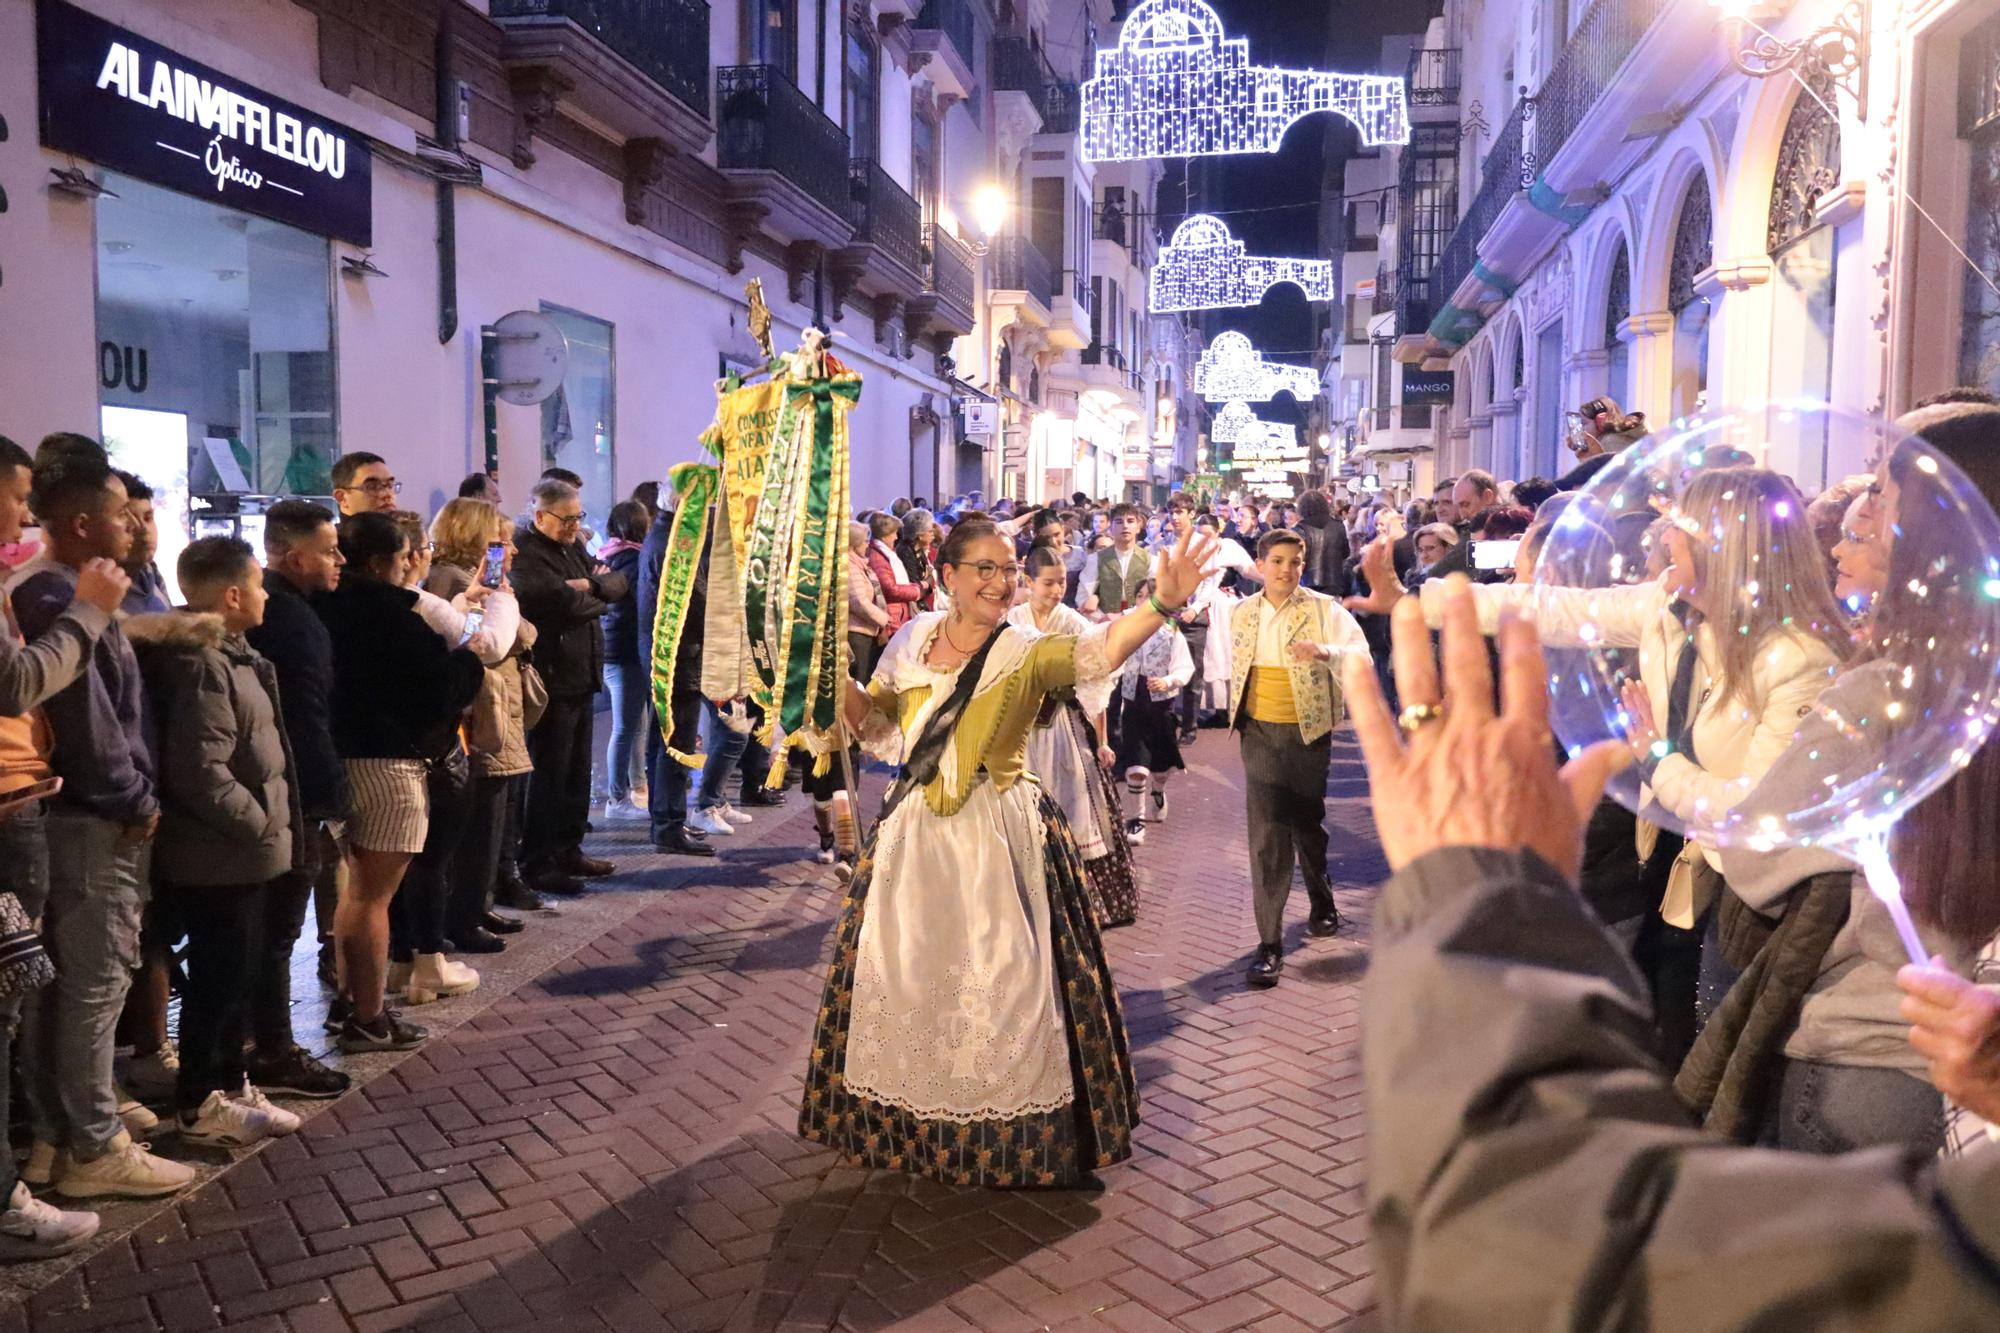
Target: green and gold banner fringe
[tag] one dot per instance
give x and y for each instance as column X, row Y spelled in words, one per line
column 695, row 485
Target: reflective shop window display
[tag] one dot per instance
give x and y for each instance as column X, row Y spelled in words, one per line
column 577, row 424
column 215, row 359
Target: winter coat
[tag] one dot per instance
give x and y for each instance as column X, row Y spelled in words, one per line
column 227, row 814
column 295, row 641
column 1530, row 1166
column 568, row 621
column 1326, row 559
column 900, row 598
column 398, row 689
column 621, row 620
column 867, row 609
column 498, row 731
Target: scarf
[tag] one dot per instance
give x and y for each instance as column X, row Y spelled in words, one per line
column 896, row 568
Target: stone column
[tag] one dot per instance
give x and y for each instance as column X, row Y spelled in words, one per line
column 1479, row 442
column 1504, row 453
column 1650, row 364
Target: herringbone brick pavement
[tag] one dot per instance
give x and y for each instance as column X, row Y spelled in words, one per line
column 612, row 1146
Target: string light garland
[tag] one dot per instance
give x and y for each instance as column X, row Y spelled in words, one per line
column 1233, row 369
column 1233, row 423
column 1175, row 86
column 1204, row 267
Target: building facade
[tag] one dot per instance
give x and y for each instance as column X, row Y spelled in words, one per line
column 251, row 235
column 1639, row 215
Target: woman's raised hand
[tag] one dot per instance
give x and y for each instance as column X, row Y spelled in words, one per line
column 1182, row 568
column 1378, row 562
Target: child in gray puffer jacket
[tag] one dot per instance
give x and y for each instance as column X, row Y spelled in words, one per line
column 229, row 824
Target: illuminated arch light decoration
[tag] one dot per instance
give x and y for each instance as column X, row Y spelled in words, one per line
column 1203, row 267
column 1174, row 86
column 1231, row 369
column 1270, row 444
column 1233, row 423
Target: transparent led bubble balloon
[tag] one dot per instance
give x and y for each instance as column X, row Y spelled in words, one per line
column 1690, row 610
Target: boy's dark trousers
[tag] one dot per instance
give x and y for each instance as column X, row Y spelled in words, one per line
column 224, row 928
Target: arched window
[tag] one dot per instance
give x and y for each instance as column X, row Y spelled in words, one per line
column 1802, row 253
column 1694, row 251
column 1618, row 309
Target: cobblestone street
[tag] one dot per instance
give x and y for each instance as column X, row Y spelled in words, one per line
column 610, row 1145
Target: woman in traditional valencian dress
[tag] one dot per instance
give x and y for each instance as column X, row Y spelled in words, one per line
column 970, row 1030
column 1068, row 752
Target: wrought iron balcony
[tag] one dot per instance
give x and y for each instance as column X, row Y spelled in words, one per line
column 1608, row 32
column 1385, row 289
column 950, row 272
column 1098, row 354
column 1503, row 174
column 1020, row 267
column 767, row 124
column 1019, row 68
column 954, row 19
column 1414, row 306
column 667, row 40
column 1433, row 77
column 884, row 214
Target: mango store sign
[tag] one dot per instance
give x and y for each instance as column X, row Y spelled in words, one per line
column 112, row 96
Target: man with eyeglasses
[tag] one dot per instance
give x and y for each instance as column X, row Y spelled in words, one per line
column 362, row 482
column 565, row 594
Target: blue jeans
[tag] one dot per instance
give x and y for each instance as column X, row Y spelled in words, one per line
column 725, row 753
column 97, row 896
column 631, row 710
column 24, row 872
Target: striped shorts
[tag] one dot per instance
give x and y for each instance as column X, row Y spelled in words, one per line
column 391, row 805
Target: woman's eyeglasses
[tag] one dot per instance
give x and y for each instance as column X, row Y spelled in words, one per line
column 988, row 570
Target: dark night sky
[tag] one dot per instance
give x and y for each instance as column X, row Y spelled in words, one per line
column 1341, row 36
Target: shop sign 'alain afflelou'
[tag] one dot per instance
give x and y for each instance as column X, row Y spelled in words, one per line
column 130, row 104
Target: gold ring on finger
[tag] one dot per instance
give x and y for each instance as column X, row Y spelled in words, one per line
column 1416, row 716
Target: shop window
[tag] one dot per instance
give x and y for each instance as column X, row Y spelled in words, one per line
column 578, row 420
column 215, row 354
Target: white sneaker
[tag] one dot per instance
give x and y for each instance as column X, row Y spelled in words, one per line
column 39, row 1171
column 629, row 808
column 1135, row 831
column 434, row 977
column 1158, row 814
column 127, row 1169
column 712, row 823
column 733, row 815
column 154, row 1076
column 283, row 1122
column 135, row 1115
column 224, row 1121
column 31, row 1229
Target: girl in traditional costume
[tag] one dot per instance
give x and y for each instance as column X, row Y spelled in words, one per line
column 1149, row 747
column 970, row 1030
column 1068, row 752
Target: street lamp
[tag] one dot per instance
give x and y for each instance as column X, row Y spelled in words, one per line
column 1835, row 54
column 990, row 206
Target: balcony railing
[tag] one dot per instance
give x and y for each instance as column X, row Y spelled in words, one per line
column 885, row 216
column 1019, row 68
column 1502, row 175
column 1608, row 32
column 1385, row 289
column 1097, row 354
column 768, row 124
column 954, row 19
column 666, row 39
column 1414, row 306
column 1433, row 77
column 950, row 270
column 1020, row 267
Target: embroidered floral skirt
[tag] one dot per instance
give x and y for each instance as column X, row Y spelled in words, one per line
column 1114, row 884
column 1063, row 754
column 983, row 1054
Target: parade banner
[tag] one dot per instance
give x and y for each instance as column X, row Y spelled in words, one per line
column 746, row 426
column 695, row 485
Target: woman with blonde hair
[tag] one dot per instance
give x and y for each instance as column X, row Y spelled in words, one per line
column 1736, row 638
